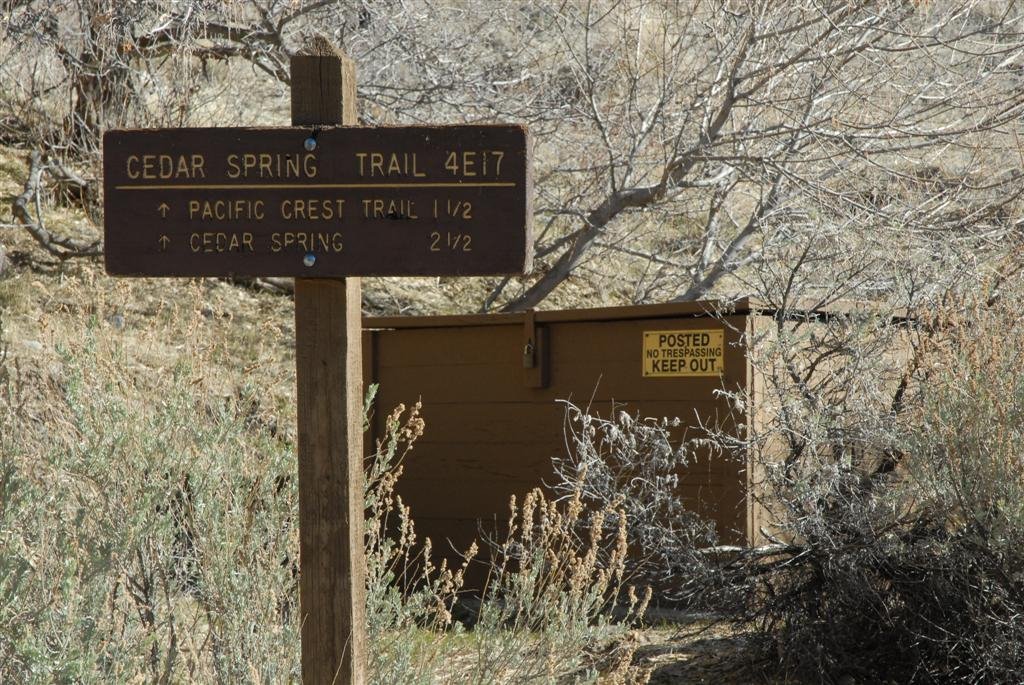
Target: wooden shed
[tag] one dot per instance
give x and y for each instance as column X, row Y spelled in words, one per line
column 490, row 386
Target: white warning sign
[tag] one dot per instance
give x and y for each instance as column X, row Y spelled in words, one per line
column 684, row 353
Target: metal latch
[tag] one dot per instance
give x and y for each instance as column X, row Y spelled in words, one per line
column 535, row 352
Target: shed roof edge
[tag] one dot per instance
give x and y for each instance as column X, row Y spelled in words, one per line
column 697, row 308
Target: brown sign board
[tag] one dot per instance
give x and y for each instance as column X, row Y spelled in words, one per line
column 327, row 202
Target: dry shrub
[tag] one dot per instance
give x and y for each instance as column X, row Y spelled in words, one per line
column 409, row 600
column 555, row 605
column 633, row 468
column 914, row 574
column 146, row 523
column 558, row 595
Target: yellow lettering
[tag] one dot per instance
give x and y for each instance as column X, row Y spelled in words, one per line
column 468, row 162
column 216, row 242
column 269, row 165
column 312, row 209
column 165, row 166
column 474, row 163
column 310, row 241
column 181, row 166
column 226, row 210
column 388, row 164
column 393, row 165
column 309, row 165
column 380, row 208
column 332, row 209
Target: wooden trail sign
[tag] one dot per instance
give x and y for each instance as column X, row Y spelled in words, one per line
column 321, row 201
column 317, row 201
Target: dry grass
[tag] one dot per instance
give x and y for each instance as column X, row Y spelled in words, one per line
column 147, row 504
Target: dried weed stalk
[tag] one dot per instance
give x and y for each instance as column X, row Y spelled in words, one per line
column 559, row 591
column 633, row 468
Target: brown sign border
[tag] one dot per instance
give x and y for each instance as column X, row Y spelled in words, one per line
column 148, row 230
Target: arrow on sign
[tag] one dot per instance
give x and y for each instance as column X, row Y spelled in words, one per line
column 163, row 208
column 163, row 242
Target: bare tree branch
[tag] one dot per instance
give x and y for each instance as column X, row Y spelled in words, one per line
column 62, row 247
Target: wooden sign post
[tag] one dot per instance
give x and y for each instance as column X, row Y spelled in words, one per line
column 329, row 390
column 326, row 202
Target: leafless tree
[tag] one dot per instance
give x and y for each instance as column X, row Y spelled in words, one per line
column 680, row 146
column 708, row 137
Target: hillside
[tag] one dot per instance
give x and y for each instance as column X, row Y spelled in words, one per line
column 854, row 168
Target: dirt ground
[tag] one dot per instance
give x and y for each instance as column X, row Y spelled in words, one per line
column 694, row 651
